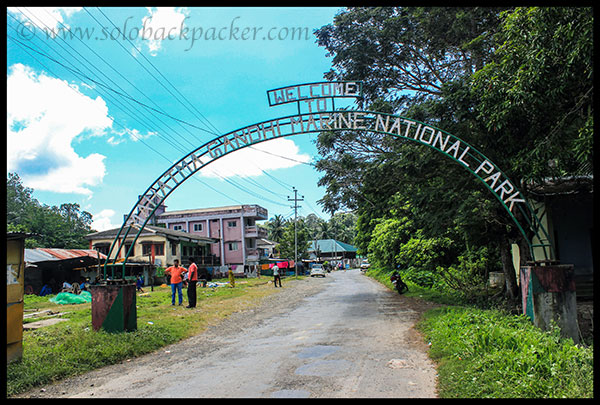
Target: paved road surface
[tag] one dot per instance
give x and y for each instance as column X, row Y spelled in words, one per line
column 353, row 338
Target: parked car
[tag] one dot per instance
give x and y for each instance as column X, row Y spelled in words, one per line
column 365, row 265
column 317, row 270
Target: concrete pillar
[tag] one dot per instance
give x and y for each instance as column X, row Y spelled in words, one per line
column 548, row 293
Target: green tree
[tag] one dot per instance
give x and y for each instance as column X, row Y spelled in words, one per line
column 343, row 227
column 287, row 246
column 407, row 54
column 314, row 224
column 387, row 239
column 536, row 97
column 19, row 201
column 509, row 81
column 58, row 227
column 275, row 227
column 324, row 231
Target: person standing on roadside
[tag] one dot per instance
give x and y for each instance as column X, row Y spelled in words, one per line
column 175, row 272
column 192, row 281
column 203, row 276
column 231, row 278
column 276, row 276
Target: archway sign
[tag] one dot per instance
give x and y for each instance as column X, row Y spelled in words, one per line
column 318, row 102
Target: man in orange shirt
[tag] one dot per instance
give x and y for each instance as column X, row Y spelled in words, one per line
column 175, row 272
column 192, row 281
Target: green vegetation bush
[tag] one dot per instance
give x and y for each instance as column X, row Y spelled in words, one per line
column 488, row 354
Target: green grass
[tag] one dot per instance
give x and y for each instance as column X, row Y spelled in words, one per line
column 488, row 353
column 72, row 347
column 383, row 276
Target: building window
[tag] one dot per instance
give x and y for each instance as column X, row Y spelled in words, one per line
column 126, row 248
column 173, row 249
column 197, row 227
column 232, row 246
column 159, row 249
column 178, row 227
column 102, row 248
column 231, row 224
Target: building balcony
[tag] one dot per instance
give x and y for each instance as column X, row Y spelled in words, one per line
column 255, row 232
column 255, row 211
column 252, row 254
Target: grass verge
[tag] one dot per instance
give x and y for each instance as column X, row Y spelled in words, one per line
column 488, row 353
column 71, row 348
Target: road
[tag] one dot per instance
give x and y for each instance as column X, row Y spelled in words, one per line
column 344, row 335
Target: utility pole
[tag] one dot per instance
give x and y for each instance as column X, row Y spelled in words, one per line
column 334, row 243
column 295, row 207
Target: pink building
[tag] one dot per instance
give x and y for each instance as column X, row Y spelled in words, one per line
column 235, row 226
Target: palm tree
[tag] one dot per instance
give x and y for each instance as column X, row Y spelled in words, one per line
column 275, row 228
column 325, row 231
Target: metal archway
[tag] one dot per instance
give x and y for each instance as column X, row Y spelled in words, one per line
column 336, row 120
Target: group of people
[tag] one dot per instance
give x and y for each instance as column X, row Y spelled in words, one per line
column 52, row 285
column 177, row 274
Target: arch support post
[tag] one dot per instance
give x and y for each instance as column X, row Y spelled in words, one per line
column 548, row 294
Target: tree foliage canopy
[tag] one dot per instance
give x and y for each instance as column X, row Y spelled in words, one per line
column 517, row 83
column 55, row 227
column 535, row 97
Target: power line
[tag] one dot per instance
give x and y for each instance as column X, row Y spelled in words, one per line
column 102, row 84
column 132, row 134
column 166, row 79
column 141, row 140
column 136, row 87
column 79, row 73
column 119, row 73
column 127, row 96
column 283, row 157
column 109, row 20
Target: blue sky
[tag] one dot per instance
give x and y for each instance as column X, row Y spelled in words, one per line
column 71, row 138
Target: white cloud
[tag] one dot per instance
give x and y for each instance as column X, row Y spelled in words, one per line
column 275, row 154
column 162, row 23
column 134, row 135
column 49, row 19
column 102, row 220
column 44, row 116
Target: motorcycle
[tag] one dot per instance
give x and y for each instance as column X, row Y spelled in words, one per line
column 399, row 285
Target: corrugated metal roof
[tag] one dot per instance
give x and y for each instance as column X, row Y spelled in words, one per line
column 36, row 255
column 331, row 245
column 51, row 254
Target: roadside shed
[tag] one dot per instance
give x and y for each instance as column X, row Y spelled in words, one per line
column 52, row 267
